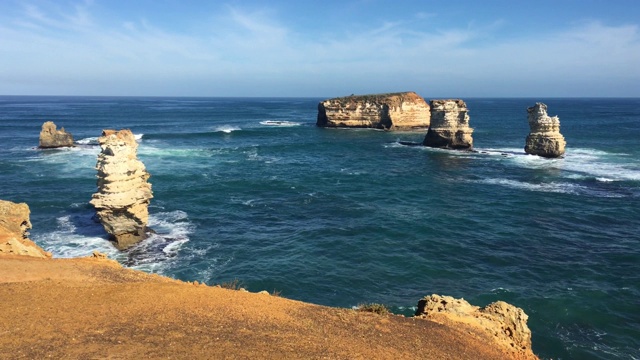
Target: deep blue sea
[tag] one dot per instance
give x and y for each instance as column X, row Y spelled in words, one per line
column 341, row 217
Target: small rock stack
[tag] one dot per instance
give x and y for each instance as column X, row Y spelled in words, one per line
column 50, row 137
column 449, row 127
column 544, row 139
column 123, row 194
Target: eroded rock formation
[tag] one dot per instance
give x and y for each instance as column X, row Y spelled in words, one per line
column 545, row 138
column 14, row 227
column 123, row 194
column 504, row 322
column 449, row 125
column 50, row 137
column 394, row 111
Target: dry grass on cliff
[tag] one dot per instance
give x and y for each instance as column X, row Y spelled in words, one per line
column 93, row 308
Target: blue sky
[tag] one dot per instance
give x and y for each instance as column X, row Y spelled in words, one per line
column 560, row 48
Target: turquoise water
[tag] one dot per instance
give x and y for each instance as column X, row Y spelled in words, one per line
column 341, row 217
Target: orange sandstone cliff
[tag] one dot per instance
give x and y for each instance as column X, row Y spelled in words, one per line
column 94, row 308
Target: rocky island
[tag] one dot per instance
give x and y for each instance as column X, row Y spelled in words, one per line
column 123, row 194
column 449, row 125
column 544, row 139
column 51, row 137
column 392, row 111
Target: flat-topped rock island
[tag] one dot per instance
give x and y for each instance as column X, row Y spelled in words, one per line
column 391, row 111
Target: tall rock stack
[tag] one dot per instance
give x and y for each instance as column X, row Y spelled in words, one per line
column 544, row 139
column 449, row 125
column 123, row 194
column 51, row 137
column 393, row 111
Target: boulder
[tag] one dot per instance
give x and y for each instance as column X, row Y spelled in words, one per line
column 123, row 194
column 14, row 227
column 50, row 137
column 449, row 127
column 544, row 138
column 500, row 320
column 393, row 111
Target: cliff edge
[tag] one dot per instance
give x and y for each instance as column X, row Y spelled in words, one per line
column 14, row 227
column 393, row 111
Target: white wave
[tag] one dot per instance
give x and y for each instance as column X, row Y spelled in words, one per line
column 551, row 187
column 93, row 140
column 280, row 123
column 554, row 187
column 88, row 141
column 227, row 129
column 586, row 163
column 66, row 242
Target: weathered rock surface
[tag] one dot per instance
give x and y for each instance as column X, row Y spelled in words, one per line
column 449, row 125
column 50, row 137
column 545, row 138
column 14, row 227
column 393, row 111
column 504, row 322
column 123, row 194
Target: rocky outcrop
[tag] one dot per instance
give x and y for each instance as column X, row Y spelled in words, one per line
column 449, row 125
column 545, row 138
column 14, row 227
column 503, row 322
column 123, row 194
column 50, row 137
column 393, row 111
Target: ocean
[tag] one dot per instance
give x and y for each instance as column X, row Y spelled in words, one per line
column 251, row 189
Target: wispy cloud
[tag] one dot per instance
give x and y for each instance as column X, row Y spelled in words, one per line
column 254, row 51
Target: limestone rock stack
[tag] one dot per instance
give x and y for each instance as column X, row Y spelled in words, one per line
column 14, row 227
column 545, row 138
column 449, row 125
column 499, row 320
column 123, row 194
column 50, row 137
column 393, row 111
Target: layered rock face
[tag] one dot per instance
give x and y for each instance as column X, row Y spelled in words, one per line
column 449, row 125
column 545, row 138
column 14, row 227
column 504, row 322
column 394, row 111
column 50, row 137
column 123, row 194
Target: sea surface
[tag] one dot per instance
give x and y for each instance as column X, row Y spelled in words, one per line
column 251, row 189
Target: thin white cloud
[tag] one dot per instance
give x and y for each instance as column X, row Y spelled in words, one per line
column 252, row 50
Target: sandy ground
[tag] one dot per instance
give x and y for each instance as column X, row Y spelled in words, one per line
column 95, row 309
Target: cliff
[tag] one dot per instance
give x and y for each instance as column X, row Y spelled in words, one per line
column 123, row 194
column 545, row 138
column 93, row 308
column 449, row 125
column 14, row 227
column 393, row 111
column 50, row 137
column 505, row 323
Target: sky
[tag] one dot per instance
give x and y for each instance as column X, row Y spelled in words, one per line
column 276, row 48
